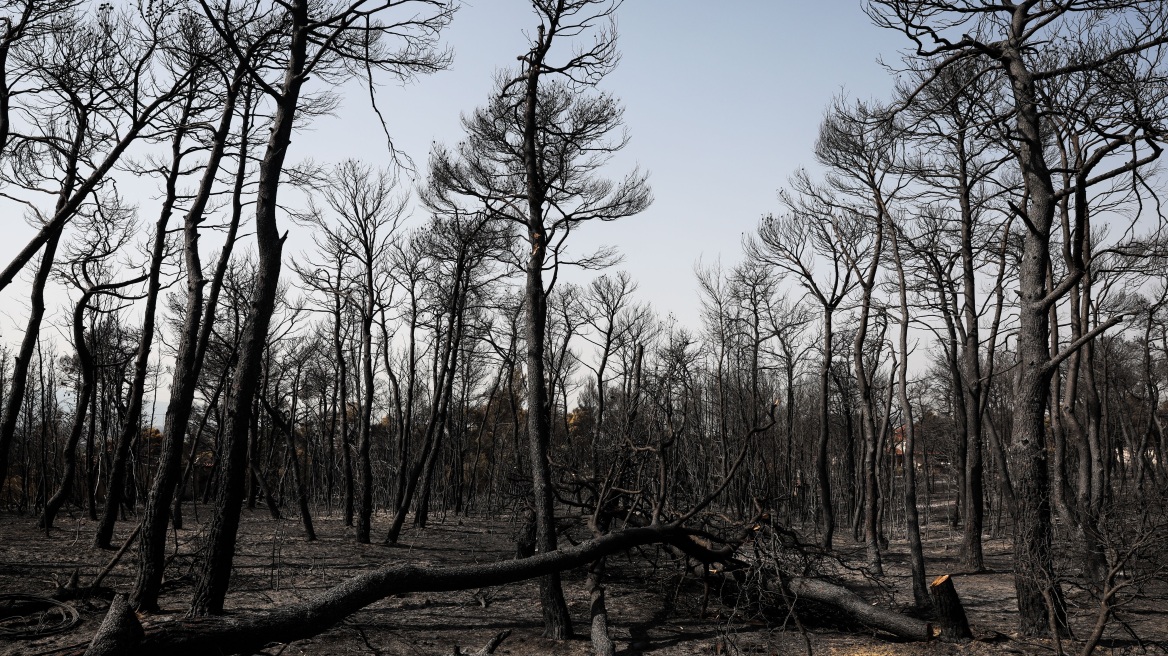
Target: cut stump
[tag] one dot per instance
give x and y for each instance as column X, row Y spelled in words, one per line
column 950, row 613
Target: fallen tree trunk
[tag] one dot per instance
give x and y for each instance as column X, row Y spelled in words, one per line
column 247, row 634
column 863, row 611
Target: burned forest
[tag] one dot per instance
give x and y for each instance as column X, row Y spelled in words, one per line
column 260, row 395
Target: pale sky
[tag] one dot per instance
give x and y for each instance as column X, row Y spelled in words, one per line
column 723, row 102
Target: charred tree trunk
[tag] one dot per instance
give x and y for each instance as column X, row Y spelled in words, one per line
column 1034, row 578
column 132, row 425
column 557, row 622
column 16, row 385
column 343, row 408
column 822, row 465
column 602, row 643
column 364, row 439
column 84, row 392
column 187, row 367
column 912, row 517
column 215, row 573
column 859, row 608
column 950, row 613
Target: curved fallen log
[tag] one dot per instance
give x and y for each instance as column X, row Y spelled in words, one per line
column 864, row 612
column 247, row 634
column 226, row 634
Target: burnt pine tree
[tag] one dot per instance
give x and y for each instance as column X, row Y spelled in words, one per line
column 102, row 236
column 185, row 113
column 108, row 67
column 531, row 156
column 858, row 151
column 1018, row 40
column 188, row 360
column 93, row 76
column 803, row 245
column 361, row 212
column 958, row 159
column 398, row 37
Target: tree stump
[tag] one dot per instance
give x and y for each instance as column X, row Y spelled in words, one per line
column 950, row 613
column 120, row 632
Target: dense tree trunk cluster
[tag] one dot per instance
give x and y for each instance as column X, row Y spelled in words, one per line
column 963, row 318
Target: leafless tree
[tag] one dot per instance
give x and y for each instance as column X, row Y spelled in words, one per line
column 198, row 319
column 531, row 156
column 1015, row 39
column 860, row 150
column 104, row 235
column 98, row 78
column 804, row 244
column 387, row 36
column 362, row 209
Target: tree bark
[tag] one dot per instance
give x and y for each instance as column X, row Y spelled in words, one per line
column 859, row 608
column 950, row 612
column 188, row 364
column 822, row 466
column 132, row 425
column 343, row 407
column 557, row 622
column 120, row 632
column 971, row 377
column 364, row 439
column 19, row 380
column 912, row 517
column 215, row 573
column 1033, row 535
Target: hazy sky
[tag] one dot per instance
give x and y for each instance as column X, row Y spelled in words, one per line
column 723, row 101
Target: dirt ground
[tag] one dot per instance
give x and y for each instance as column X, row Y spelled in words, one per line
column 652, row 610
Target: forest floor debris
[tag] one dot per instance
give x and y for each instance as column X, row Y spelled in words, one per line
column 650, row 612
